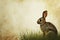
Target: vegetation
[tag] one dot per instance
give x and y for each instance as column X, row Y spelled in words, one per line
column 38, row 37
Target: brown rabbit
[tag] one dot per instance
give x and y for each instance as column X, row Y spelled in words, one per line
column 46, row 27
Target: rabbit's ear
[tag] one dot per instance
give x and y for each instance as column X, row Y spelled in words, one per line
column 44, row 14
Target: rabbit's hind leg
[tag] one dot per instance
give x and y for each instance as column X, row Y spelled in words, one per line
column 51, row 36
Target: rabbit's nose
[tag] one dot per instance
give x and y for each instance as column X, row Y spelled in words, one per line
column 38, row 22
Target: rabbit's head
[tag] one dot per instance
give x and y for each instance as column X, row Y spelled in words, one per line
column 42, row 20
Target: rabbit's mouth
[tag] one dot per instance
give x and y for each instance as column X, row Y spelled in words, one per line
column 40, row 23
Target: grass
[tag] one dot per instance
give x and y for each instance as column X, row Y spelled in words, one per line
column 30, row 36
column 37, row 37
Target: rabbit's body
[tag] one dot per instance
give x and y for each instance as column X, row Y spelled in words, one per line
column 46, row 27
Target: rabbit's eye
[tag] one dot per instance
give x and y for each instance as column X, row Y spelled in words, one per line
column 40, row 19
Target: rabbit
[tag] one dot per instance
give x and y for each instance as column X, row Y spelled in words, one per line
column 46, row 27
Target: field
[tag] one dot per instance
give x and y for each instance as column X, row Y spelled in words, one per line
column 31, row 36
column 38, row 37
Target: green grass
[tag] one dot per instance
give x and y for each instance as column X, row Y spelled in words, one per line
column 37, row 37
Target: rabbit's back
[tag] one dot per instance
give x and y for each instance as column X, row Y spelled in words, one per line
column 51, row 27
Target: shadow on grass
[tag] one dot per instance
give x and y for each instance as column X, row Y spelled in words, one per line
column 38, row 37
